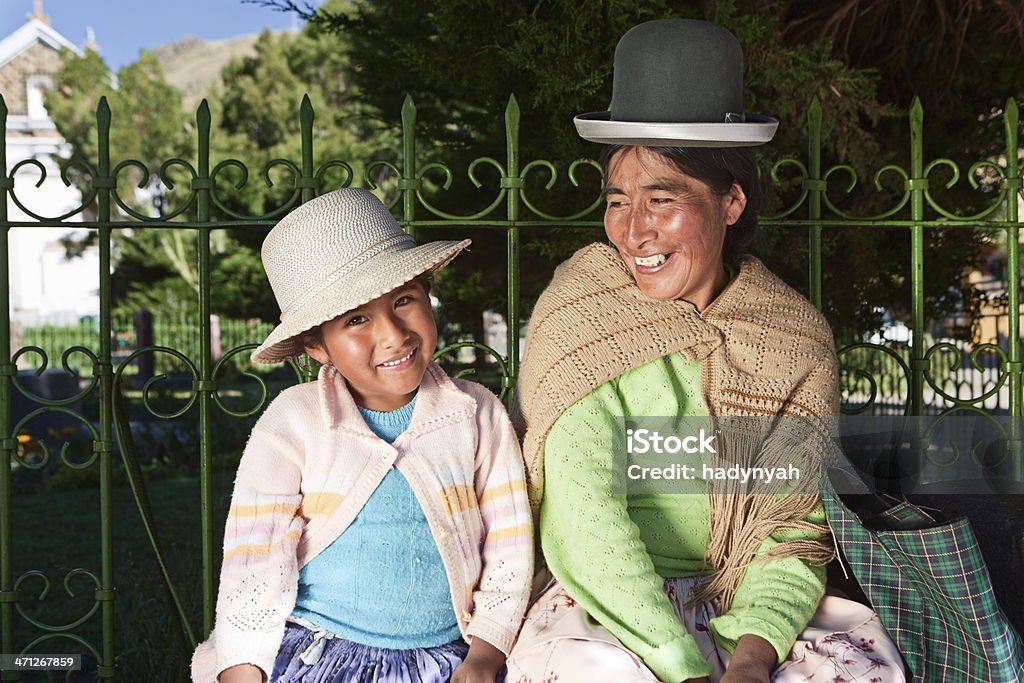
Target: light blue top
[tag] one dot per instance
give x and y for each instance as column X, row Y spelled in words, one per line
column 382, row 581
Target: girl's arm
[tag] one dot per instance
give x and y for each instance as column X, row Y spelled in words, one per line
column 503, row 591
column 259, row 576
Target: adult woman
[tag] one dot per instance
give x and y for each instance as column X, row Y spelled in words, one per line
column 720, row 584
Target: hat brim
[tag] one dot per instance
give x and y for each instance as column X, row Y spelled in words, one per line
column 361, row 286
column 598, row 127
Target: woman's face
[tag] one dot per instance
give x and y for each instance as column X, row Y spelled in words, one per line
column 669, row 227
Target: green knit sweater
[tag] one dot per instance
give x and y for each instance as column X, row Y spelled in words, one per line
column 611, row 552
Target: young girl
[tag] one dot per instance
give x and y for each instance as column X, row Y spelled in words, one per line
column 379, row 521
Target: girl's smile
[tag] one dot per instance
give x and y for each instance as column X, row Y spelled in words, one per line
column 383, row 347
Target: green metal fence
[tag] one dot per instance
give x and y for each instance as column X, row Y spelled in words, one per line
column 174, row 331
column 908, row 379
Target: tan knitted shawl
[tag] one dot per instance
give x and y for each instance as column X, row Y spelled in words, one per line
column 764, row 351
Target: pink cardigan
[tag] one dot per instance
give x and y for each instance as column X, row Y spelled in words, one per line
column 308, row 468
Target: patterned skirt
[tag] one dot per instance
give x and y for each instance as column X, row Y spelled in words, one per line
column 844, row 643
column 315, row 657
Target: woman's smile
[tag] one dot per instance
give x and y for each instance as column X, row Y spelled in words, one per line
column 651, row 264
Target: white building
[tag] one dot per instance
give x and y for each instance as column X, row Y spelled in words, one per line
column 44, row 285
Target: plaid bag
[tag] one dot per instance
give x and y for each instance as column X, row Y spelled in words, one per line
column 930, row 586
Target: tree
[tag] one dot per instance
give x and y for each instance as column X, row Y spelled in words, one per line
column 864, row 60
column 556, row 57
column 960, row 59
column 255, row 120
column 148, row 125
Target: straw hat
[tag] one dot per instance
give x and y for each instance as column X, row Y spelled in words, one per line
column 335, row 253
column 677, row 83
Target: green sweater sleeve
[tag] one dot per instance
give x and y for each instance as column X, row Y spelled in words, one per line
column 594, row 549
column 776, row 598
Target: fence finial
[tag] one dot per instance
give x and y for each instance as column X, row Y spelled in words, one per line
column 1012, row 113
column 408, row 110
column 103, row 113
column 203, row 113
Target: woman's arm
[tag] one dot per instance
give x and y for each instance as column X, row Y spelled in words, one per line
column 752, row 662
column 594, row 549
column 776, row 598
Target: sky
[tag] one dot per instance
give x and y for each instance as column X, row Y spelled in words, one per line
column 123, row 27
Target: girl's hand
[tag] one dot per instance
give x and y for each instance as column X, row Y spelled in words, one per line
column 481, row 664
column 241, row 673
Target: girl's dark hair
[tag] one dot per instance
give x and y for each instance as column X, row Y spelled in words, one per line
column 314, row 337
column 718, row 168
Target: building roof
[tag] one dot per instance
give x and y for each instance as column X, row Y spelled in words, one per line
column 30, row 32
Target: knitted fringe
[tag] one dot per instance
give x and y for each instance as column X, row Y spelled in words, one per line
column 744, row 514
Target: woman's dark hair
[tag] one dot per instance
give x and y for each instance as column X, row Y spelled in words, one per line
column 718, row 168
column 314, row 337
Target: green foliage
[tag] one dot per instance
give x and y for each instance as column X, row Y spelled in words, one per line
column 257, row 117
column 256, row 120
column 461, row 60
column 556, row 57
column 147, row 122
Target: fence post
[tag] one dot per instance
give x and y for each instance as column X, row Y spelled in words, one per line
column 815, row 186
column 916, row 185
column 308, row 183
column 8, row 444
column 142, row 321
column 1013, row 184
column 514, row 184
column 204, row 385
column 105, row 183
column 409, row 184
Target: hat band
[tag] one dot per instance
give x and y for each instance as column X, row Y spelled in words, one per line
column 309, row 294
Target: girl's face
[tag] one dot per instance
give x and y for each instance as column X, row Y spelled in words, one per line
column 383, row 347
column 669, row 227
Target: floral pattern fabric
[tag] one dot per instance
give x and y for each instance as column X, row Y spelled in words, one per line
column 560, row 643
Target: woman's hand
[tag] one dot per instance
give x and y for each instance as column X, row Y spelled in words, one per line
column 481, row 664
column 752, row 661
column 742, row 677
column 241, row 673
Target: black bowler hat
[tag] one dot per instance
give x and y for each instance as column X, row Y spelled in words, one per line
column 677, row 83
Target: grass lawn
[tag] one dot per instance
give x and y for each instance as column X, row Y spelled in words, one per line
column 55, row 532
